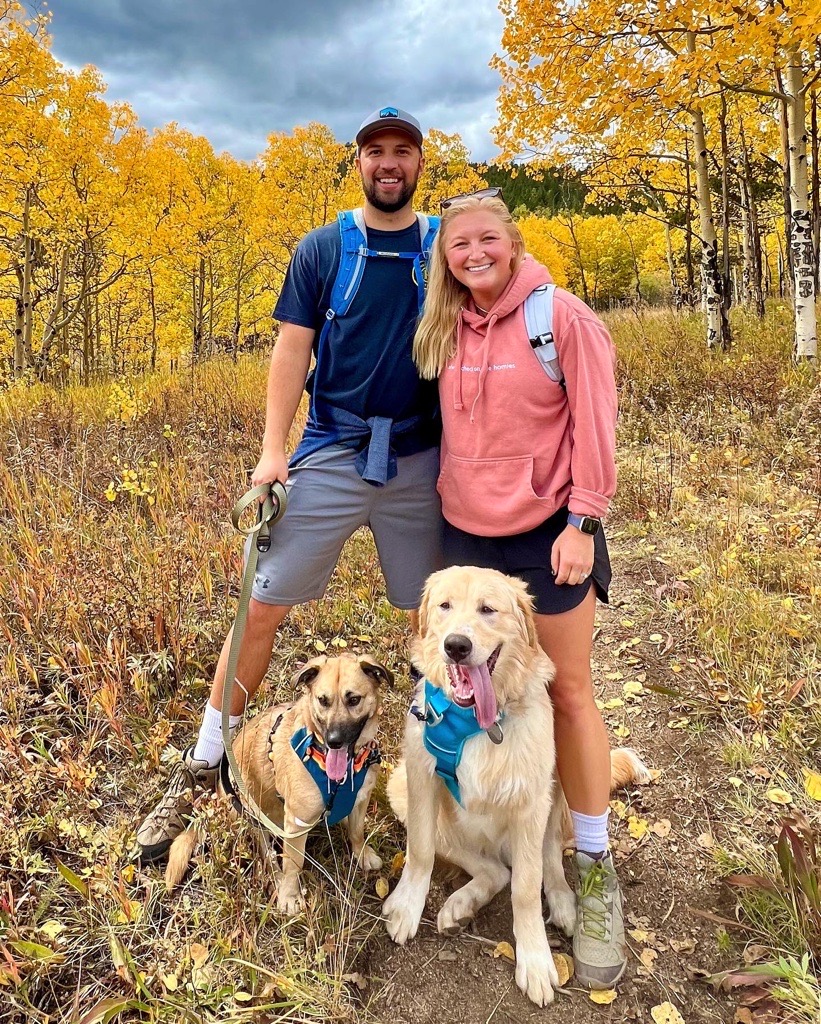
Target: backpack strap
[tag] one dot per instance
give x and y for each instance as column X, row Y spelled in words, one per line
column 538, row 310
column 354, row 252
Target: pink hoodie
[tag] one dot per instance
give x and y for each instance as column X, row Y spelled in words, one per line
column 516, row 446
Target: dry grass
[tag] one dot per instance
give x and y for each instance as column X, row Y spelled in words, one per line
column 119, row 577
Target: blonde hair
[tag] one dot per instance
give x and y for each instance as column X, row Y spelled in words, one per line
column 434, row 341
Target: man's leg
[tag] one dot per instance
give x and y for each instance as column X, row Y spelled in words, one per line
column 200, row 762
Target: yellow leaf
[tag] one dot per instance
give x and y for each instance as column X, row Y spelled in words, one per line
column 632, row 688
column 666, row 1013
column 812, row 785
column 656, row 638
column 320, row 645
column 506, row 950
column 397, row 863
column 198, row 953
column 619, row 808
column 603, row 996
column 170, row 981
column 622, row 731
column 637, row 827
column 565, row 967
column 778, row 796
column 382, row 888
column 648, row 957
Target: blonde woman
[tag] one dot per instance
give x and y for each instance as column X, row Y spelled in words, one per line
column 527, row 473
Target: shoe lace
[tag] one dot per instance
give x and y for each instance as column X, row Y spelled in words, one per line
column 594, row 905
column 180, row 780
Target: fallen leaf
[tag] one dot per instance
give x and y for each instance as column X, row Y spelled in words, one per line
column 632, row 688
column 603, row 996
column 382, row 888
column 447, row 954
column 397, row 863
column 619, row 808
column 666, row 1013
column 655, row 638
column 682, row 945
column 648, row 957
column 170, row 981
column 243, row 997
column 506, row 950
column 640, row 935
column 812, row 784
column 661, row 828
column 705, row 841
column 198, row 953
column 637, row 827
column 778, row 796
column 743, row 1015
column 622, row 731
column 755, row 952
column 357, row 979
column 565, row 967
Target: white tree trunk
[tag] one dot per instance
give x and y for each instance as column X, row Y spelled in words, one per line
column 710, row 276
column 806, row 340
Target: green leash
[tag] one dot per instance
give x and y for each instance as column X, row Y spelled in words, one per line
column 272, row 509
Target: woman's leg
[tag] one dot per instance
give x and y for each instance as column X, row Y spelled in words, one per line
column 582, row 746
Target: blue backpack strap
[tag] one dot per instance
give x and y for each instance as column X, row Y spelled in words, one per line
column 538, row 310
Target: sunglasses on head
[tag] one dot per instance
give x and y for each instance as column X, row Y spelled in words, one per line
column 483, row 193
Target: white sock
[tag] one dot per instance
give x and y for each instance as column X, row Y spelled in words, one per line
column 590, row 832
column 209, row 747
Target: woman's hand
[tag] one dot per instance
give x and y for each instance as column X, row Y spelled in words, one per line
column 571, row 557
column 272, row 465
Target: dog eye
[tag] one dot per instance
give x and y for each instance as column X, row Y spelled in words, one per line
column 353, row 700
column 324, row 701
column 487, row 610
column 445, row 606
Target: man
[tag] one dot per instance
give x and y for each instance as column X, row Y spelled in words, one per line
column 369, row 455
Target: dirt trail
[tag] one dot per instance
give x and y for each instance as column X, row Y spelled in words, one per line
column 665, row 874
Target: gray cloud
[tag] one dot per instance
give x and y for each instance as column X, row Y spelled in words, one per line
column 237, row 72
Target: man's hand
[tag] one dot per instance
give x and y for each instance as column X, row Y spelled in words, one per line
column 272, row 466
column 572, row 556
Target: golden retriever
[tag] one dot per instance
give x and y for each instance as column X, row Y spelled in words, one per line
column 478, row 644
column 336, row 720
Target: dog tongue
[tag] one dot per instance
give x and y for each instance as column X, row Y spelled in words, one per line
column 483, row 695
column 336, row 763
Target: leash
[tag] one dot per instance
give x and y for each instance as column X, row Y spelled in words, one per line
column 271, row 510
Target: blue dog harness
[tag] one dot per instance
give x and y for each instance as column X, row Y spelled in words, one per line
column 446, row 729
column 339, row 797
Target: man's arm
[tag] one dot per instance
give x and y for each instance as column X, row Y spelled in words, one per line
column 290, row 361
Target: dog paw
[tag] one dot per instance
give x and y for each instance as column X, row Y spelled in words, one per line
column 456, row 914
column 402, row 912
column 562, row 906
column 289, row 902
column 369, row 860
column 536, row 977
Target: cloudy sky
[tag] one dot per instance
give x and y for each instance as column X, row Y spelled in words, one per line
column 235, row 71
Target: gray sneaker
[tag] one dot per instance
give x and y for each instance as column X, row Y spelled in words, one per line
column 171, row 816
column 598, row 941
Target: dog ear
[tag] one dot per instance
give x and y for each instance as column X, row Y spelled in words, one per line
column 376, row 671
column 305, row 675
column 524, row 609
column 424, row 608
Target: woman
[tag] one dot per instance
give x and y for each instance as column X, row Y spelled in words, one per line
column 527, row 473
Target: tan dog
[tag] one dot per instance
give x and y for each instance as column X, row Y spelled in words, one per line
column 478, row 645
column 300, row 760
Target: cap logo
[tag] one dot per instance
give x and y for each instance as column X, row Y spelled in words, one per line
column 389, row 112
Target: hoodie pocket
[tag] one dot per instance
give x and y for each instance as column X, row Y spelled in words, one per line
column 491, row 497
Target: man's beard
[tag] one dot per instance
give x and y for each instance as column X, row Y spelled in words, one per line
column 388, row 205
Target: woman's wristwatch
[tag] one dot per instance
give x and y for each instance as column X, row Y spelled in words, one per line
column 587, row 524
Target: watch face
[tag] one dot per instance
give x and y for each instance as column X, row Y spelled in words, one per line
column 589, row 525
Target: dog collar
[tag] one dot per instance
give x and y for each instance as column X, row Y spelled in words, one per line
column 446, row 728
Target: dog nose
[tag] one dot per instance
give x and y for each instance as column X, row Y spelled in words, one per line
column 457, row 647
column 335, row 739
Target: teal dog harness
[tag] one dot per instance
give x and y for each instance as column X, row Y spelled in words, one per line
column 339, row 797
column 446, row 729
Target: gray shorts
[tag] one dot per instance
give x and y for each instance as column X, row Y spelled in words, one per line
column 327, row 502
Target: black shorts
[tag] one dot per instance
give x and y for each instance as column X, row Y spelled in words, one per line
column 527, row 555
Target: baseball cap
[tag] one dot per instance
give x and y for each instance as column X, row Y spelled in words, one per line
column 390, row 117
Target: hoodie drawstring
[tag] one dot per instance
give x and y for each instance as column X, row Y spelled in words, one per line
column 458, row 403
column 485, row 367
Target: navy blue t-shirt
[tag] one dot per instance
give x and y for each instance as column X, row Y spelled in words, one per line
column 365, row 367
